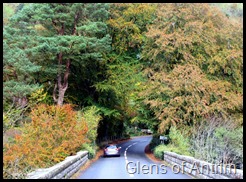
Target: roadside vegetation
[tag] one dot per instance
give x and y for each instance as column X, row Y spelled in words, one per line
column 76, row 75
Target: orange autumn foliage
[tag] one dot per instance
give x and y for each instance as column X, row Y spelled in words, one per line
column 194, row 58
column 54, row 133
column 186, row 95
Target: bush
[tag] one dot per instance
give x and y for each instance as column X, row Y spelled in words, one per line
column 179, row 143
column 229, row 144
column 154, row 142
column 53, row 134
column 91, row 150
column 222, row 140
column 159, row 151
column 92, row 118
column 12, row 117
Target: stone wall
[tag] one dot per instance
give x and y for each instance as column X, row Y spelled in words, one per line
column 62, row 170
column 201, row 169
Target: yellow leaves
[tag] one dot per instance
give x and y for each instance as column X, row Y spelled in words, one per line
column 127, row 24
column 143, row 11
column 39, row 27
column 56, row 159
column 50, row 137
column 138, row 84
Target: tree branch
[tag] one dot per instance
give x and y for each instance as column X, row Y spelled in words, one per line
column 55, row 26
column 62, row 30
column 54, row 92
column 76, row 17
column 66, row 74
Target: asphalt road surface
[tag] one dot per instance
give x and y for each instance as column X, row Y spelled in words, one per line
column 132, row 164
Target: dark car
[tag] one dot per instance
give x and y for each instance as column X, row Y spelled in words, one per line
column 112, row 150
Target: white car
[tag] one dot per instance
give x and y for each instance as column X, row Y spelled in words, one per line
column 112, row 150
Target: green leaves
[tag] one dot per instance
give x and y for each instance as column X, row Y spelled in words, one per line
column 92, row 117
column 142, row 64
column 75, row 31
column 127, row 24
column 18, row 68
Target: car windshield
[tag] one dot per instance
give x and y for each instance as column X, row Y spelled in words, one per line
column 111, row 147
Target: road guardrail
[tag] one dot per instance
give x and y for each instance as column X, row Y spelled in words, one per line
column 62, row 170
column 201, row 169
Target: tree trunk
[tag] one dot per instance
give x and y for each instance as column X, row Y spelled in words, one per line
column 62, row 84
column 62, row 87
column 61, row 96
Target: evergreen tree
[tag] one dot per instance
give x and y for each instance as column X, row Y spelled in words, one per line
column 67, row 33
column 18, row 81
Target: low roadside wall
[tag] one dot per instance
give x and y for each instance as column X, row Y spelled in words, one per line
column 201, row 169
column 62, row 170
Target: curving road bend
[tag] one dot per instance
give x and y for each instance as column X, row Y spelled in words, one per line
column 132, row 164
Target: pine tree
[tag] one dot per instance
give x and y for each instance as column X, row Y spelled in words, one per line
column 18, row 81
column 66, row 33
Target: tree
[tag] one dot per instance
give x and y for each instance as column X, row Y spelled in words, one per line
column 118, row 101
column 193, row 58
column 127, row 23
column 67, row 33
column 18, row 70
column 9, row 10
column 197, row 34
column 232, row 10
column 185, row 96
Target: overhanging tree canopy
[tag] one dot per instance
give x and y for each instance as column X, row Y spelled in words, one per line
column 65, row 33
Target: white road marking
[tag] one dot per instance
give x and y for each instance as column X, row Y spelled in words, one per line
column 129, row 169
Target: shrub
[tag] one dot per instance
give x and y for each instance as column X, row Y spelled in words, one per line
column 229, row 144
column 158, row 151
column 91, row 116
column 12, row 117
column 53, row 134
column 217, row 139
column 179, row 142
column 132, row 131
column 91, row 150
column 154, row 142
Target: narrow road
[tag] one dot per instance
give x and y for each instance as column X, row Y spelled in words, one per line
column 132, row 164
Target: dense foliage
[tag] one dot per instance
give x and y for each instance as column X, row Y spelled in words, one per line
column 46, row 140
column 195, row 69
column 175, row 68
